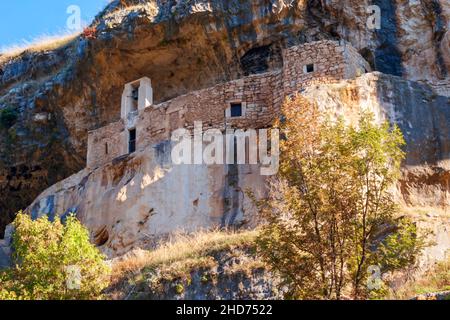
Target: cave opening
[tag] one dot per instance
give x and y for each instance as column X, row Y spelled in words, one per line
column 101, row 237
column 261, row 59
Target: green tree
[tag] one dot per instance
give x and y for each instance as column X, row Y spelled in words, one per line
column 330, row 205
column 53, row 261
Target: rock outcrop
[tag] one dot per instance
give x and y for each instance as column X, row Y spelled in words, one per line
column 49, row 100
column 235, row 274
column 135, row 201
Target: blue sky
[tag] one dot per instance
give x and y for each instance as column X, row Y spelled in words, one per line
column 28, row 19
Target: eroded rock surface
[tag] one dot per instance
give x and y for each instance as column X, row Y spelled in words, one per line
column 56, row 96
column 421, row 114
column 135, row 201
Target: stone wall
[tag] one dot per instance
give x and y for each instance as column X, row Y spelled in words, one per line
column 332, row 61
column 106, row 144
column 260, row 94
column 326, row 57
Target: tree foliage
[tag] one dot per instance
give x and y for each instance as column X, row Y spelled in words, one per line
column 330, row 205
column 53, row 261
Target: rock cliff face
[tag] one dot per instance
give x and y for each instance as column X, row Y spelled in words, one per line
column 423, row 117
column 134, row 200
column 412, row 39
column 49, row 100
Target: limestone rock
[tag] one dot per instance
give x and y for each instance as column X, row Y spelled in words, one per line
column 189, row 45
column 422, row 116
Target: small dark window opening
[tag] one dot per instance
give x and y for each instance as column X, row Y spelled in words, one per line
column 310, row 68
column 135, row 98
column 135, row 94
column 106, row 148
column 132, row 141
column 236, row 110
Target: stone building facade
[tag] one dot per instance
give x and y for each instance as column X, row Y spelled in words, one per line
column 258, row 98
column 131, row 194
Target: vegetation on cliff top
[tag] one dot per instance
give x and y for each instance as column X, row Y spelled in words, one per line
column 50, row 42
column 40, row 44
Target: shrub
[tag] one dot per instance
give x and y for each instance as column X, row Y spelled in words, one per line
column 53, row 261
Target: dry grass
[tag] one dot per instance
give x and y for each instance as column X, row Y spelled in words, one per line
column 52, row 42
column 434, row 281
column 150, row 7
column 40, row 44
column 181, row 248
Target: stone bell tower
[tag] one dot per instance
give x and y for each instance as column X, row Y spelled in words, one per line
column 136, row 96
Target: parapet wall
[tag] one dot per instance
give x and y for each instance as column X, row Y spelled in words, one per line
column 260, row 95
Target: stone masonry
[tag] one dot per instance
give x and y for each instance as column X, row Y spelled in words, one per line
column 260, row 95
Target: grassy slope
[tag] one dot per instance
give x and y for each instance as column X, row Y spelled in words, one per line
column 41, row 44
column 181, row 255
column 185, row 247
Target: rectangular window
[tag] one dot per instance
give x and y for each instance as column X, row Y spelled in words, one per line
column 236, row 110
column 309, row 68
column 132, row 141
